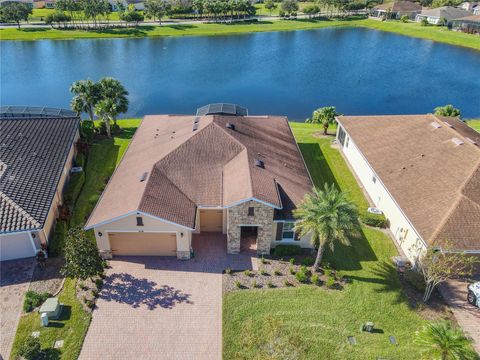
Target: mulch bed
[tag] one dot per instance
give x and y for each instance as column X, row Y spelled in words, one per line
column 48, row 279
column 273, row 273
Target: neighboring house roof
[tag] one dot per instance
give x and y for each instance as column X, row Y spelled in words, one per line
column 400, row 6
column 434, row 181
column 33, row 152
column 447, row 12
column 213, row 165
column 470, row 19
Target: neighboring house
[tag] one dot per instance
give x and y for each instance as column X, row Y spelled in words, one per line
column 423, row 172
column 396, row 10
column 471, row 6
column 434, row 16
column 137, row 5
column 182, row 175
column 28, row 2
column 36, row 154
column 468, row 24
column 49, row 4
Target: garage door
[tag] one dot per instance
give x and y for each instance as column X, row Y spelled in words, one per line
column 15, row 246
column 143, row 244
column 211, row 220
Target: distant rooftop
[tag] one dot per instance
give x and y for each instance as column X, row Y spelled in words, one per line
column 10, row 111
column 222, row 109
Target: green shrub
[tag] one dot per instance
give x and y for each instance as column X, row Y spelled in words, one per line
column 292, row 261
column 287, row 250
column 255, row 285
column 248, row 273
column 90, row 303
column 228, row 271
column 404, row 18
column 302, row 276
column 287, row 283
column 95, row 293
column 30, row 349
column 330, row 282
column 328, row 272
column 263, row 272
column 33, row 300
column 424, row 22
column 304, row 269
column 270, row 284
column 415, row 279
column 308, row 261
column 339, row 276
column 238, row 284
column 292, row 270
column 375, row 220
column 87, row 130
column 315, row 279
column 263, row 261
column 98, row 283
column 82, row 286
column 277, row 272
column 57, row 241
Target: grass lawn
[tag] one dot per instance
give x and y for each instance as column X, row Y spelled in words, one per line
column 103, row 157
column 41, row 14
column 319, row 320
column 474, row 123
column 410, row 29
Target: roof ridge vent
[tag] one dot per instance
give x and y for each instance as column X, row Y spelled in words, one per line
column 259, row 163
column 195, row 127
column 457, row 141
column 448, row 124
column 230, row 126
column 436, row 125
column 143, row 177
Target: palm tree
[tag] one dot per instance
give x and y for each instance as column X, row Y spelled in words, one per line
column 86, row 95
column 328, row 216
column 325, row 116
column 113, row 90
column 106, row 110
column 447, row 110
column 440, row 340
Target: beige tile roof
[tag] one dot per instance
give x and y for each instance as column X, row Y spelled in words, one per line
column 211, row 166
column 434, row 181
column 400, row 6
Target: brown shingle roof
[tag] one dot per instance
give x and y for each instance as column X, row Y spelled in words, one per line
column 434, row 181
column 400, row 6
column 211, row 166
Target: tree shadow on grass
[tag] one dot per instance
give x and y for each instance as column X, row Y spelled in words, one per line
column 181, row 26
column 317, row 164
column 51, row 354
column 127, row 133
column 127, row 289
column 31, row 30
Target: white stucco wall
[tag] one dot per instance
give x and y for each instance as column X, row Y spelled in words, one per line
column 404, row 233
column 129, row 224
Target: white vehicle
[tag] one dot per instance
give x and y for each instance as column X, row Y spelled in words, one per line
column 473, row 296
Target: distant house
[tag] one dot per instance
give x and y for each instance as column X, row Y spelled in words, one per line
column 117, row 4
column 35, row 159
column 468, row 24
column 423, row 172
column 28, row 2
column 49, row 4
column 396, row 10
column 434, row 16
column 471, row 6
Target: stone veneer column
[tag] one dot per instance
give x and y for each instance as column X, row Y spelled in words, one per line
column 263, row 218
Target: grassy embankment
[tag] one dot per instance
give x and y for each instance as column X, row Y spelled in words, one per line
column 434, row 33
column 474, row 123
column 103, row 157
column 318, row 321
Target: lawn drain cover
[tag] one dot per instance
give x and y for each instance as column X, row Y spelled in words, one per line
column 58, row 344
column 393, row 341
column 352, row 340
column 36, row 334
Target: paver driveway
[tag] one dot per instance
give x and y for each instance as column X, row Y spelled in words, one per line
column 15, row 277
column 161, row 308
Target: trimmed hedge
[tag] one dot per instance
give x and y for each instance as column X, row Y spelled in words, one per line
column 33, row 300
column 374, row 220
column 57, row 241
column 287, row 250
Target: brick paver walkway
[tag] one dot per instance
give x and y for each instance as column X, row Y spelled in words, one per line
column 468, row 317
column 15, row 277
column 163, row 308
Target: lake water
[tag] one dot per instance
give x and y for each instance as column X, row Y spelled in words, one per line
column 360, row 71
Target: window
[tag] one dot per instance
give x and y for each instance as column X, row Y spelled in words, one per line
column 139, row 221
column 341, row 135
column 251, row 211
column 288, row 233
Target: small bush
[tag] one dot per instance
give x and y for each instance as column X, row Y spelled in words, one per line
column 292, row 261
column 98, row 283
column 248, row 273
column 90, row 303
column 340, row 276
column 263, row 272
column 308, row 261
column 375, row 220
column 30, row 349
column 87, row 130
column 263, row 261
column 315, row 279
column 287, row 250
column 255, row 285
column 82, row 286
column 292, row 270
column 277, row 272
column 33, row 300
column 238, row 284
column 95, row 293
column 270, row 284
column 228, row 271
column 415, row 279
column 328, row 272
column 404, row 18
column 304, row 269
column 424, row 22
column 330, row 282
column 301, row 276
column 287, row 283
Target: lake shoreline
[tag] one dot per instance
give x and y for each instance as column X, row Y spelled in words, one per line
column 433, row 33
